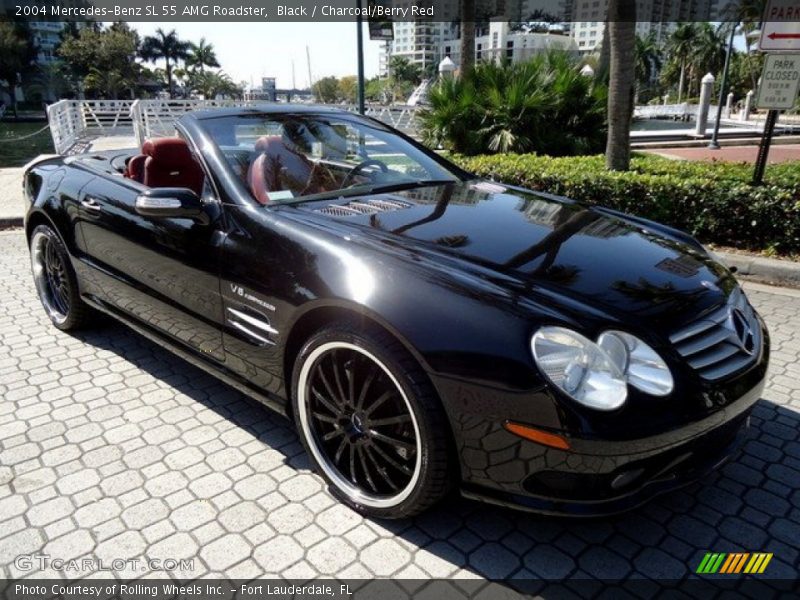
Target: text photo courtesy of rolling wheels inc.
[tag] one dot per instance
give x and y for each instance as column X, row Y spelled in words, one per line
column 399, row 300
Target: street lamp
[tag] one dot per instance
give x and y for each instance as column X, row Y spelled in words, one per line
column 714, row 143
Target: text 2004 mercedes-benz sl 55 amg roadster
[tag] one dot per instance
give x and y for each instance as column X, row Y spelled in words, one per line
column 425, row 329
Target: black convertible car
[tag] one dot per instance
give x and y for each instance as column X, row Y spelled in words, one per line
column 425, row 329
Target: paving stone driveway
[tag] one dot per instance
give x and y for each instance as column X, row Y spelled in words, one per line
column 112, row 448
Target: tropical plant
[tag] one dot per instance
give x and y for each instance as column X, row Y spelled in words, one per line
column 621, row 82
column 202, row 55
column 543, row 105
column 167, row 47
column 17, row 51
column 403, row 70
column 680, row 47
column 648, row 59
column 48, row 82
column 348, row 88
column 713, row 201
column 212, row 84
column 694, row 49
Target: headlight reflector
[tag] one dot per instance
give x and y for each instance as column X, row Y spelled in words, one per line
column 641, row 365
column 579, row 367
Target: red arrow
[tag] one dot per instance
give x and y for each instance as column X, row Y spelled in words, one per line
column 784, row 36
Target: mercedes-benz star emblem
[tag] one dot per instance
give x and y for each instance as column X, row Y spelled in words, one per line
column 741, row 333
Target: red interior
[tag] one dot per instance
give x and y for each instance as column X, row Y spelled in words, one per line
column 166, row 162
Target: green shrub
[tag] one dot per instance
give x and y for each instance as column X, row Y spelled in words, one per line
column 543, row 105
column 713, row 201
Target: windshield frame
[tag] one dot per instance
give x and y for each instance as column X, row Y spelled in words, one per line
column 458, row 174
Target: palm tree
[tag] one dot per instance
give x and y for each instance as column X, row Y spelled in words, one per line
column 202, row 55
column 648, row 59
column 680, row 48
column 467, row 36
column 165, row 46
column 708, row 55
column 621, row 83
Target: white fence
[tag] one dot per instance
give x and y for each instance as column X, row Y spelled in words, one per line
column 72, row 122
column 75, row 123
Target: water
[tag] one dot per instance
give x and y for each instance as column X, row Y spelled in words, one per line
column 669, row 125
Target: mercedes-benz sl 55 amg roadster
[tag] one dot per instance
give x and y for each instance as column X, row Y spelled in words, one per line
column 425, row 329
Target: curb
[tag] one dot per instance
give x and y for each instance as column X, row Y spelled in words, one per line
column 767, row 270
column 11, row 222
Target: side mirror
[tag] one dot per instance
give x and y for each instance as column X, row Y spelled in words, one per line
column 175, row 203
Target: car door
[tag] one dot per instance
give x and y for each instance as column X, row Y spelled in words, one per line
column 161, row 271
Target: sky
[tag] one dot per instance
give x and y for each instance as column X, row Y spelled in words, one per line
column 249, row 51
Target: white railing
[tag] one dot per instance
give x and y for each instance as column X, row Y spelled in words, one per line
column 74, row 121
column 654, row 111
column 156, row 118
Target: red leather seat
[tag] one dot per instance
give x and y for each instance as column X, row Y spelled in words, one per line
column 135, row 168
column 279, row 168
column 170, row 163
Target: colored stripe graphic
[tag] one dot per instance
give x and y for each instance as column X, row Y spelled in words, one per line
column 759, row 562
column 711, row 562
column 734, row 563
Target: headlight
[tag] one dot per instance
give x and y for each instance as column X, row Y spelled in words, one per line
column 641, row 365
column 579, row 367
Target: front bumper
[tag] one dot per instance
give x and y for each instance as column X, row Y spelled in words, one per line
column 597, row 478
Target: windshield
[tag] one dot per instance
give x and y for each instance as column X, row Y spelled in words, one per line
column 294, row 157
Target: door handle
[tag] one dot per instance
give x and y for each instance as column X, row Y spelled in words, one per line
column 91, row 205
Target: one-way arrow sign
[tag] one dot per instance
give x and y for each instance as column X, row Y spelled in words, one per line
column 780, row 31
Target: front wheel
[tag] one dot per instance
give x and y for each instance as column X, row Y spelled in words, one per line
column 55, row 281
column 371, row 422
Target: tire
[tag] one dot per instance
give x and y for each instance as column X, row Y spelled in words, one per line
column 373, row 425
column 55, row 281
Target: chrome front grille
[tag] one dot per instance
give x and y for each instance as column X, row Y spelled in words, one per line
column 363, row 207
column 723, row 342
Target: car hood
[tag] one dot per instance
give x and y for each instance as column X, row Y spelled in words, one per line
column 541, row 242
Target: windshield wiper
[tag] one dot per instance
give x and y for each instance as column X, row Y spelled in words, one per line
column 382, row 188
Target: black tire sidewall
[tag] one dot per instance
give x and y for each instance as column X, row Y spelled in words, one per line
column 74, row 314
column 420, row 401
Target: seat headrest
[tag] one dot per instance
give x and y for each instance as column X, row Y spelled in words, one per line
column 168, row 151
column 267, row 142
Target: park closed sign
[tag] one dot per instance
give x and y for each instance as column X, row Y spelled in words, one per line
column 780, row 82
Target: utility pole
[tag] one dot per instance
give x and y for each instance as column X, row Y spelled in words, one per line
column 360, row 50
column 308, row 61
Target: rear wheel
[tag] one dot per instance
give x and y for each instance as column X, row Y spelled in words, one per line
column 371, row 422
column 55, row 281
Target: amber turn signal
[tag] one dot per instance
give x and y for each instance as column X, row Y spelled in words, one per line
column 537, row 435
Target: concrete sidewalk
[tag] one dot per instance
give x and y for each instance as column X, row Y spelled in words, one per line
column 12, row 205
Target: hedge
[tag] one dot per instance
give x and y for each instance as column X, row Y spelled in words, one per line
column 713, row 201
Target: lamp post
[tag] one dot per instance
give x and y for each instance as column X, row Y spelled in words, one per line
column 714, row 143
column 360, row 45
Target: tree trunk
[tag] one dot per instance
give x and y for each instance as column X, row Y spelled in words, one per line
column 681, row 81
column 622, row 38
column 169, row 78
column 467, row 36
column 13, row 89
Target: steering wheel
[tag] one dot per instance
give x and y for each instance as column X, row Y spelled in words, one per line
column 372, row 162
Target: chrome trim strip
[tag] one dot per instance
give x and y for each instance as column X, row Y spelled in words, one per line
column 255, row 322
